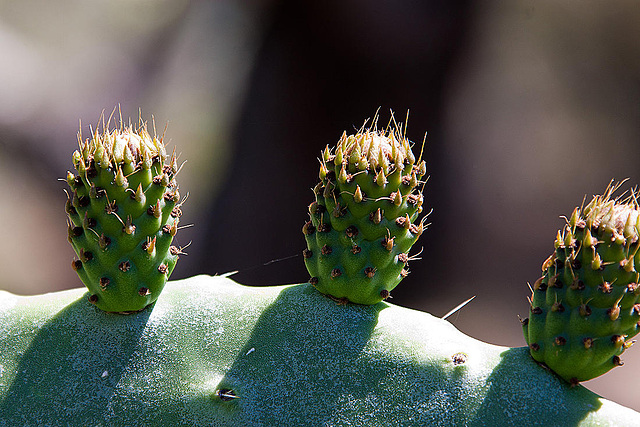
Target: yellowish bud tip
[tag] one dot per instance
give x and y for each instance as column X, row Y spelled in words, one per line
column 357, row 196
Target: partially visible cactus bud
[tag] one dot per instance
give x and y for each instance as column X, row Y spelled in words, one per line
column 123, row 212
column 362, row 221
column 593, row 276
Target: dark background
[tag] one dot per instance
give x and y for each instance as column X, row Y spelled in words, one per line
column 529, row 107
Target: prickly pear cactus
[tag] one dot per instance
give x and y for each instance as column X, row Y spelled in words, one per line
column 363, row 221
column 584, row 308
column 123, row 211
column 211, row 352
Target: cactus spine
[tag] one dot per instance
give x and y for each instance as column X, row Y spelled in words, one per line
column 123, row 211
column 584, row 308
column 363, row 220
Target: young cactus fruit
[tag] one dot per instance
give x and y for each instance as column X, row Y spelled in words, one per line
column 123, row 212
column 363, row 221
column 584, row 308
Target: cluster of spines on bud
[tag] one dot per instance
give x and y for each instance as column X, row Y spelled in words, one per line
column 585, row 307
column 123, row 212
column 363, row 221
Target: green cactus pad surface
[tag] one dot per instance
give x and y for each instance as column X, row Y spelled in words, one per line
column 212, row 352
column 584, row 309
column 363, row 221
column 123, row 211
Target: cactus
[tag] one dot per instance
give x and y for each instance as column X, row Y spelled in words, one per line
column 584, row 308
column 123, row 211
column 363, row 221
column 213, row 352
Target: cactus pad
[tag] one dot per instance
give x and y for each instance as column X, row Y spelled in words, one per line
column 123, row 211
column 584, row 308
column 364, row 218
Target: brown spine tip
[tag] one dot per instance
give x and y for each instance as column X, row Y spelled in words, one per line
column 605, row 288
column 414, row 199
column 370, row 272
column 111, row 207
column 85, row 255
column 618, row 340
column 324, row 228
column 176, row 212
column 226, row 394
column 587, row 342
column 556, row 282
column 577, row 285
column 172, row 196
column 339, row 211
column 376, row 217
column 104, row 241
column 129, row 227
column 69, row 209
column 584, row 310
column 308, row 228
column 613, row 313
column 387, row 243
column 459, row 359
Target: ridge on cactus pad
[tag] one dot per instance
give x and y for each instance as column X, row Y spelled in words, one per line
column 123, row 210
column 364, row 219
column 585, row 307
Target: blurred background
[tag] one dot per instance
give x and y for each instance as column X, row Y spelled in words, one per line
column 529, row 106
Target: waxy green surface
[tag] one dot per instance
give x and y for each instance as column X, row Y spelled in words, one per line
column 213, row 352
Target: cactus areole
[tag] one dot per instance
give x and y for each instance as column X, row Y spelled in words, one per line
column 585, row 308
column 123, row 209
column 364, row 217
